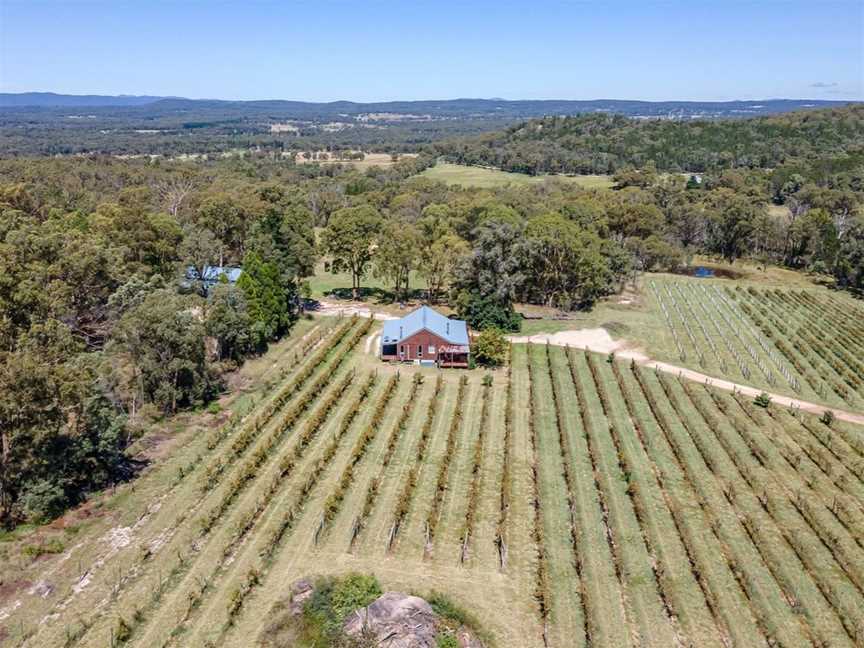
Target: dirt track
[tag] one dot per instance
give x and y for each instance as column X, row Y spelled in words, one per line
column 331, row 309
column 600, row 341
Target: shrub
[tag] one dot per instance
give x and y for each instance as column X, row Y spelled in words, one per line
column 762, row 400
column 446, row 641
column 44, row 500
column 827, row 417
column 447, row 609
column 353, row 592
column 53, row 546
column 332, row 601
column 123, row 633
column 490, row 348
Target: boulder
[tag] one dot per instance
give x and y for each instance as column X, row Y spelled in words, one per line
column 395, row 620
column 42, row 588
column 301, row 591
column 467, row 639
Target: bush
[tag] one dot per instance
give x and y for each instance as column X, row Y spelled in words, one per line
column 44, row 500
column 353, row 592
column 333, row 600
column 827, row 417
column 454, row 617
column 123, row 633
column 490, row 348
column 482, row 312
column 762, row 400
column 446, row 641
column 53, row 546
column 447, row 609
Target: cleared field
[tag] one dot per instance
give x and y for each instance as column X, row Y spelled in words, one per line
column 369, row 160
column 572, row 501
column 468, row 176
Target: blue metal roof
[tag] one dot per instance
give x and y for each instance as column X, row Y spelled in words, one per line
column 212, row 273
column 451, row 330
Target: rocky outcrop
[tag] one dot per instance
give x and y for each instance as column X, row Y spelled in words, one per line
column 301, row 591
column 395, row 620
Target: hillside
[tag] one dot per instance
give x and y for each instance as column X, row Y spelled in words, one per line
column 606, row 143
column 55, row 100
column 42, row 124
column 566, row 501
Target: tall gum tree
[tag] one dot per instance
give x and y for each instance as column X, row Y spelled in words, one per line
column 350, row 239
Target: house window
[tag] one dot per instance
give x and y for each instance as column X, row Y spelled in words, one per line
column 431, row 349
column 402, row 350
column 419, row 350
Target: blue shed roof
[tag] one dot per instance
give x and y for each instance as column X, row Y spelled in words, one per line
column 212, row 273
column 454, row 331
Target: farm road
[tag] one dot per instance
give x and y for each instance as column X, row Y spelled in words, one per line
column 331, row 309
column 600, row 341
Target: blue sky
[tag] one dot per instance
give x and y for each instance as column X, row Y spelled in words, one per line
column 380, row 50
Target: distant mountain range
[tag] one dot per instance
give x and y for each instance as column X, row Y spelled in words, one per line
column 54, row 100
column 432, row 108
column 44, row 123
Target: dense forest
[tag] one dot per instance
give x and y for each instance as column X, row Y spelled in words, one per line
column 105, row 328
column 606, row 143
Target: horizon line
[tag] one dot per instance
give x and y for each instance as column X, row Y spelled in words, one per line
column 384, row 101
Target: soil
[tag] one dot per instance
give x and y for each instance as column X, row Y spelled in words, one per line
column 153, row 446
column 371, row 344
column 595, row 339
column 8, row 589
column 88, row 510
column 235, row 381
column 347, row 309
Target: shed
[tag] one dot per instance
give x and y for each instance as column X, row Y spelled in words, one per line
column 212, row 275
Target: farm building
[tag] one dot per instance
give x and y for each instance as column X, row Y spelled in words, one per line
column 426, row 336
column 213, row 275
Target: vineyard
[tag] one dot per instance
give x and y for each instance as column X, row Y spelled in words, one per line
column 796, row 342
column 569, row 499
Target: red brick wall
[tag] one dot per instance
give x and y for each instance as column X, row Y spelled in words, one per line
column 424, row 339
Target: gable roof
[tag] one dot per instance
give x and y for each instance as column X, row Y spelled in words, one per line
column 452, row 330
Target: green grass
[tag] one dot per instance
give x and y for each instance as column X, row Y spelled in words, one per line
column 468, row 176
column 324, row 283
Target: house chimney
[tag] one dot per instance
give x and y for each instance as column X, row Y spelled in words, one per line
column 400, row 333
column 448, row 327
